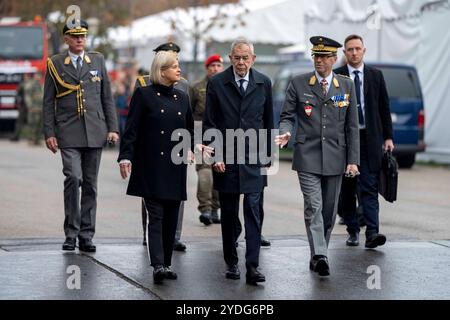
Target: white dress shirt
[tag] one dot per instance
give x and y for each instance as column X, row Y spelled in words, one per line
column 238, row 77
column 329, row 78
column 361, row 79
column 74, row 58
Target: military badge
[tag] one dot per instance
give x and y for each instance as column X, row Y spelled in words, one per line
column 341, row 100
column 95, row 77
column 308, row 110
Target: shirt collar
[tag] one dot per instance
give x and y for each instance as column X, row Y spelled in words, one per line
column 238, row 77
column 360, row 69
column 74, row 56
column 329, row 78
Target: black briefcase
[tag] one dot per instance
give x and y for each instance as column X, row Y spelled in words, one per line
column 388, row 180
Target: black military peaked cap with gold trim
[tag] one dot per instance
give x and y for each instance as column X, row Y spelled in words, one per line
column 169, row 46
column 80, row 28
column 324, row 46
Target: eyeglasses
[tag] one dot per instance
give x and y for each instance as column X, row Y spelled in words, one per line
column 239, row 58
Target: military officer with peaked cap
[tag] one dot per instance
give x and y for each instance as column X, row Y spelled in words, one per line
column 79, row 119
column 142, row 81
column 326, row 142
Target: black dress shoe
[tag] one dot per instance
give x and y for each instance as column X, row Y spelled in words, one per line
column 86, row 245
column 205, row 218
column 320, row 265
column 253, row 276
column 144, row 242
column 170, row 274
column 375, row 240
column 179, row 246
column 159, row 274
column 215, row 217
column 69, row 244
column 264, row 242
column 233, row 272
column 353, row 240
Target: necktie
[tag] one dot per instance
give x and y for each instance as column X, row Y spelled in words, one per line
column 324, row 84
column 241, row 87
column 79, row 67
column 358, row 97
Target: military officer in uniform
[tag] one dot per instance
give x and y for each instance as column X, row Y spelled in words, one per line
column 79, row 118
column 326, row 142
column 208, row 198
column 182, row 84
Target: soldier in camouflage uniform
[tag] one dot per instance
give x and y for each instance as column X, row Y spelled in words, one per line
column 208, row 198
column 33, row 101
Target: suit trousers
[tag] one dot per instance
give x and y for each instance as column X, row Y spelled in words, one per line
column 367, row 182
column 80, row 167
column 320, row 195
column 229, row 204
column 261, row 216
column 162, row 225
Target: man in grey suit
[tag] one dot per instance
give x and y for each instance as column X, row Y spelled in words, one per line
column 326, row 143
column 79, row 118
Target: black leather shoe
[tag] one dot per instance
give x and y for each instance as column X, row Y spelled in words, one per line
column 233, row 272
column 375, row 240
column 144, row 242
column 253, row 276
column 179, row 246
column 69, row 244
column 170, row 274
column 264, row 242
column 215, row 217
column 353, row 240
column 159, row 274
column 205, row 218
column 320, row 265
column 86, row 245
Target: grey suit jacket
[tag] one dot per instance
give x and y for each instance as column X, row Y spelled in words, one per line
column 61, row 118
column 327, row 137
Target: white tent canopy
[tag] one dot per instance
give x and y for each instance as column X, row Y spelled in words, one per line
column 412, row 32
column 270, row 22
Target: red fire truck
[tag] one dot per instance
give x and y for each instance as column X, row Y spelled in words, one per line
column 23, row 49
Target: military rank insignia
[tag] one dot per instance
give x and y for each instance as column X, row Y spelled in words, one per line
column 308, row 110
column 341, row 100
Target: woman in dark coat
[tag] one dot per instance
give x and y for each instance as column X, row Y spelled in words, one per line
column 158, row 174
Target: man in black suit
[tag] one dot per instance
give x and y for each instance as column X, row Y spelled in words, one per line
column 375, row 126
column 240, row 98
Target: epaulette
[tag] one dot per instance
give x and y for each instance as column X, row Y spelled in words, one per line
column 94, row 52
column 142, row 80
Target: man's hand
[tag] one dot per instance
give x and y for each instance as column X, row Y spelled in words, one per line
column 112, row 137
column 282, row 139
column 52, row 144
column 205, row 150
column 352, row 171
column 389, row 145
column 219, row 167
column 125, row 169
